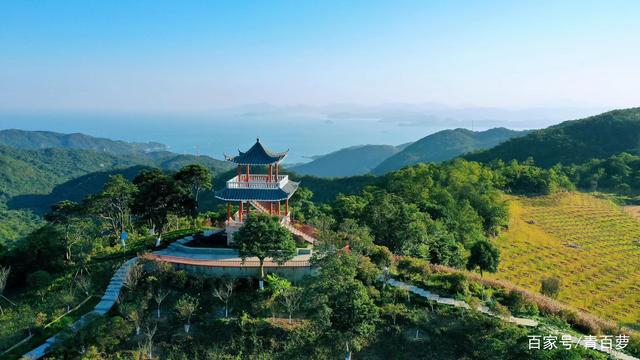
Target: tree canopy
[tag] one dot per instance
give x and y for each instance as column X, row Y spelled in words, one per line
column 262, row 236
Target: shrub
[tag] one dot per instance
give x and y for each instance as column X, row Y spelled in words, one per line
column 499, row 309
column 454, row 284
column 179, row 279
column 381, row 256
column 550, row 287
column 417, row 266
column 518, row 305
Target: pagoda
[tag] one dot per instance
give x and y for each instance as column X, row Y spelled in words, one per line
column 263, row 192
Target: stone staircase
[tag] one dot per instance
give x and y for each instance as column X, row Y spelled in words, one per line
column 107, row 301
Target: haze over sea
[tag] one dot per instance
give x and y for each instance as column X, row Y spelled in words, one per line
column 305, row 131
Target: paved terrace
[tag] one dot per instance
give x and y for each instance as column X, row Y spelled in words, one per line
column 178, row 253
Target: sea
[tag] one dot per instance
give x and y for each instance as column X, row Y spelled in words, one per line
column 304, row 135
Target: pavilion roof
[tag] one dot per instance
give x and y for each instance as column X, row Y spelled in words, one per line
column 256, row 194
column 257, row 155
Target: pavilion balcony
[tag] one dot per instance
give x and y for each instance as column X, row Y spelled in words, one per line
column 257, row 181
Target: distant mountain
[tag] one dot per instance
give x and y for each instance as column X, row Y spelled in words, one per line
column 351, row 161
column 173, row 162
column 575, row 141
column 445, row 145
column 151, row 153
column 34, row 140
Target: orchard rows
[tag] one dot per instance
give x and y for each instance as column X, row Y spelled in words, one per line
column 590, row 244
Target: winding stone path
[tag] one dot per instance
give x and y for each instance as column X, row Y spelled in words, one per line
column 106, row 303
column 519, row 321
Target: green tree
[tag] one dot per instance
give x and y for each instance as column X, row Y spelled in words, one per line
column 158, row 196
column 113, row 204
column 341, row 304
column 39, row 280
column 186, row 307
column 196, row 178
column 484, row 256
column 4, row 276
column 262, row 236
column 349, row 233
column 68, row 216
column 348, row 207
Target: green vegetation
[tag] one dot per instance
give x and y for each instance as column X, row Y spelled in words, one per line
column 35, row 140
column 572, row 142
column 617, row 174
column 351, row 161
column 445, row 145
column 327, row 315
column 33, row 180
column 506, row 299
column 262, row 236
column 484, row 256
column 440, row 218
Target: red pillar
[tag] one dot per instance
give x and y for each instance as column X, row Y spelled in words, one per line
column 239, row 174
column 277, row 171
column 286, row 207
column 270, row 172
column 240, row 212
column 247, row 172
column 228, row 211
column 270, row 207
column 278, row 208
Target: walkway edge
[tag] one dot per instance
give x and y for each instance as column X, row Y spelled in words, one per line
column 107, row 301
column 483, row 309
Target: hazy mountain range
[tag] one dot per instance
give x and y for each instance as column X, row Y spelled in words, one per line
column 380, row 159
column 40, row 168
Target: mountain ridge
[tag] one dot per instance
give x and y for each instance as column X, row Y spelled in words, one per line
column 573, row 141
column 445, row 145
column 350, row 161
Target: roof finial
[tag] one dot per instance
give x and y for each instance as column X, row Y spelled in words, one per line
column 257, row 139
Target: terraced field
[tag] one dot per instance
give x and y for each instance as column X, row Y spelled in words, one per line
column 592, row 245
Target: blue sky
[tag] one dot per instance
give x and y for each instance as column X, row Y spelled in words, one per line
column 183, row 56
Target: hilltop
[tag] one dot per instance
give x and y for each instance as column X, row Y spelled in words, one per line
column 445, row 145
column 351, row 161
column 571, row 142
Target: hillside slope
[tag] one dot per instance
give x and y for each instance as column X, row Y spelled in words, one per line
column 445, row 145
column 590, row 244
column 34, row 140
column 575, row 141
column 75, row 189
column 351, row 161
column 38, row 171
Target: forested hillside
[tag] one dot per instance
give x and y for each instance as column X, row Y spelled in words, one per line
column 34, row 140
column 571, row 142
column 32, row 180
column 38, row 171
column 356, row 160
column 445, row 145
